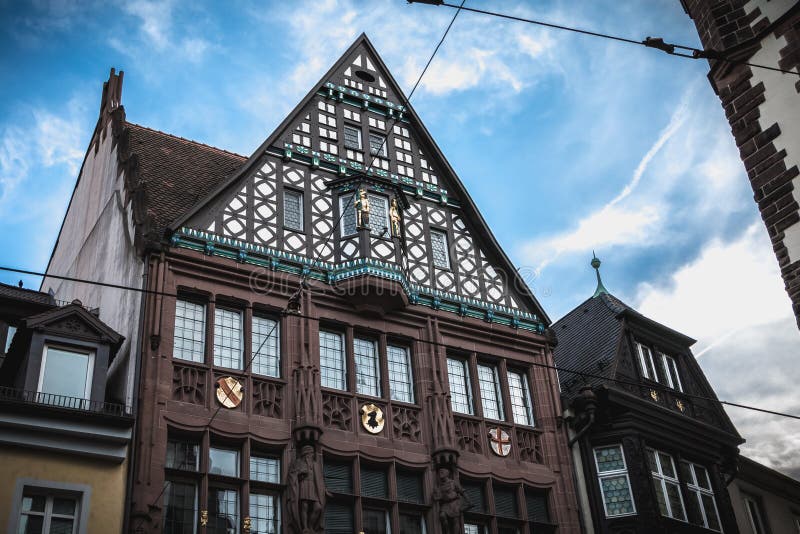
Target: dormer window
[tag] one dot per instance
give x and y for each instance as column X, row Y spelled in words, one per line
column 646, row 362
column 670, row 367
column 66, row 376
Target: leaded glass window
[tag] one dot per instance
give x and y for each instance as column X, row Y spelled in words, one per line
column 347, row 208
column 266, row 347
column 612, row 474
column 665, row 479
column 331, row 360
column 183, row 455
column 264, row 513
column 458, row 377
column 223, row 511
column 352, row 137
column 189, row 340
column 377, row 145
column 491, row 399
column 265, row 469
column 378, row 215
column 293, row 209
column 367, row 370
column 699, row 487
column 223, row 462
column 441, row 256
column 227, row 338
column 520, row 398
column 180, row 507
column 401, row 385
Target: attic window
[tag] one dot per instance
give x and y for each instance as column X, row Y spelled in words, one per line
column 364, row 75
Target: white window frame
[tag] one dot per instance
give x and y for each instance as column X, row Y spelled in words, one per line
column 442, row 233
column 87, row 390
column 344, row 137
column 383, row 152
column 662, row 479
column 641, row 348
column 695, row 488
column 613, row 474
column 758, row 524
column 670, row 366
column 299, row 195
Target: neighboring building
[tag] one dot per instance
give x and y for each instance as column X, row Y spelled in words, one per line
column 763, row 108
column 326, row 344
column 64, row 448
column 765, row 501
column 653, row 448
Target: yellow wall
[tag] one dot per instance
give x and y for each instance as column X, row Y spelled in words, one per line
column 107, row 480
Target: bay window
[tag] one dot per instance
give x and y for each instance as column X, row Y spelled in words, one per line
column 667, row 487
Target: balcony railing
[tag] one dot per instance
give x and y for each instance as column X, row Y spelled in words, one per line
column 14, row 395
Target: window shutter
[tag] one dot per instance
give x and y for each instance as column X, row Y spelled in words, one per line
column 505, row 502
column 338, row 519
column 374, row 482
column 409, row 487
column 338, row 477
column 536, row 503
column 474, row 492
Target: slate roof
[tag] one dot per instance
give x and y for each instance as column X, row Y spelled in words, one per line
column 28, row 295
column 176, row 173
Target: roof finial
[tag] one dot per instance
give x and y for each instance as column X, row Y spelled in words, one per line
column 600, row 287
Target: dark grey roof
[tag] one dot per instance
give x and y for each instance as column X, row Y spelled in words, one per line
column 27, row 295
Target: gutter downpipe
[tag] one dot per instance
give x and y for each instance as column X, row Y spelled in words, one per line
column 578, row 474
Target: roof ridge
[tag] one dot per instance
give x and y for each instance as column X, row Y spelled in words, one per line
column 198, row 143
column 17, row 288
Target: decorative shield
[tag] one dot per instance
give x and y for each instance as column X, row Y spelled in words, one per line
column 372, row 418
column 229, row 392
column 499, row 441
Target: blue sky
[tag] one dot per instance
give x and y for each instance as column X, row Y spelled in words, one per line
column 567, row 143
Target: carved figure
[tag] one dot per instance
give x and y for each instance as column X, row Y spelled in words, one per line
column 362, row 208
column 305, row 497
column 452, row 501
column 394, row 215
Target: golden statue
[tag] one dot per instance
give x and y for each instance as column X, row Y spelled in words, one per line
column 362, row 208
column 394, row 215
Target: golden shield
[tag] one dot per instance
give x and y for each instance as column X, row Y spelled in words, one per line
column 372, row 418
column 229, row 392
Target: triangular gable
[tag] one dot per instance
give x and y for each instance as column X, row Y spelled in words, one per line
column 359, row 92
column 75, row 321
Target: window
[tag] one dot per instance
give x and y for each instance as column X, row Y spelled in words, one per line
column 374, row 482
column 348, row 209
column 491, row 398
column 331, row 360
column 47, row 513
column 699, row 486
column 409, row 487
column 66, row 377
column 458, row 377
column 338, row 477
column 266, row 347
column 441, row 257
column 223, row 511
column 646, row 362
column 352, row 137
column 670, row 367
column 367, row 370
column 411, row 523
column 377, row 145
column 375, row 521
column 293, row 209
column 264, row 516
column 265, row 469
column 755, row 514
column 401, row 385
column 183, row 455
column 615, row 486
column 538, row 510
column 665, row 479
column 223, row 462
column 339, row 518
column 505, row 501
column 472, row 528
column 10, row 331
column 378, row 215
column 227, row 338
column 180, row 508
column 520, row 398
column 190, row 331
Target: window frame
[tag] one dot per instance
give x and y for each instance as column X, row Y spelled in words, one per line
column 347, row 201
column 81, row 492
column 90, row 354
column 694, row 487
column 383, row 152
column 344, row 359
column 663, row 480
column 671, row 373
column 204, row 330
column 409, row 367
column 448, row 265
column 255, row 354
column 640, row 348
column 223, row 308
column 758, row 524
column 290, row 192
column 614, row 473
column 384, row 200
column 467, row 380
column 376, row 365
column 497, row 387
column 347, row 144
column 527, row 396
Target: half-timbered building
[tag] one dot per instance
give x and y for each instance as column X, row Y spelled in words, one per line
column 330, row 337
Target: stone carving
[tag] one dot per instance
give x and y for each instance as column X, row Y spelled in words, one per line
column 405, row 424
column 305, row 492
column 267, row 399
column 362, row 208
column 336, row 412
column 530, row 447
column 306, row 399
column 469, row 435
column 452, row 502
column 188, row 384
